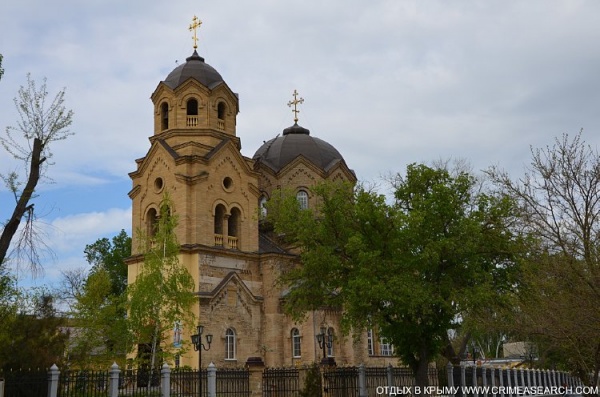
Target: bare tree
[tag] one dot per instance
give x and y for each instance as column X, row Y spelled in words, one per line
column 559, row 200
column 41, row 123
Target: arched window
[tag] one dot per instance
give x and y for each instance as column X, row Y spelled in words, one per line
column 151, row 222
column 192, row 107
column 164, row 116
column 330, row 340
column 219, row 219
column 262, row 207
column 296, row 347
column 302, row 198
column 192, row 113
column 229, row 344
column 385, row 347
column 221, row 108
column 233, row 228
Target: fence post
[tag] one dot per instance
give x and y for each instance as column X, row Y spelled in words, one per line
column 484, row 380
column 362, row 381
column 113, row 380
column 474, row 384
column 256, row 367
column 211, row 375
column 450, row 372
column 501, row 379
column 390, row 375
column 165, row 381
column 53, row 375
column 463, row 375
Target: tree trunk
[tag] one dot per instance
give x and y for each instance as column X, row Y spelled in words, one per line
column 421, row 370
column 22, row 203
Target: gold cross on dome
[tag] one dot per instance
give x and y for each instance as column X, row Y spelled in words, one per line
column 194, row 26
column 295, row 102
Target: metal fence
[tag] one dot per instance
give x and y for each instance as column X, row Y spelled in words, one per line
column 83, row 383
column 281, row 382
column 25, row 383
column 233, row 382
column 184, row 383
column 340, row 382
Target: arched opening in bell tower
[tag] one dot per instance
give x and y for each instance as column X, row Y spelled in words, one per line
column 164, row 116
column 192, row 112
column 233, row 228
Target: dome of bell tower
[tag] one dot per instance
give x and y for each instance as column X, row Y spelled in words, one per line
column 195, row 68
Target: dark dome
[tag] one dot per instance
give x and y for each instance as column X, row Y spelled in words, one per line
column 296, row 141
column 196, row 68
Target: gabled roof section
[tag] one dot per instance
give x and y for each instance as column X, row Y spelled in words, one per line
column 266, row 245
column 230, row 278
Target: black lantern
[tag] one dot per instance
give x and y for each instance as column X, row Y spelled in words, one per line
column 325, row 340
column 199, row 346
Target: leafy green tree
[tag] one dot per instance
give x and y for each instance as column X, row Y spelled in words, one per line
column 163, row 291
column 98, row 304
column 100, row 333
column 110, row 256
column 411, row 268
column 559, row 202
column 37, row 337
column 40, row 125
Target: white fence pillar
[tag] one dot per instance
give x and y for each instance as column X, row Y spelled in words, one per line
column 450, row 372
column 113, row 380
column 165, row 381
column 53, row 375
column 390, row 375
column 212, row 380
column 362, row 381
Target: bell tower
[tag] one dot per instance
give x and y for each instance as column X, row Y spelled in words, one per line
column 195, row 156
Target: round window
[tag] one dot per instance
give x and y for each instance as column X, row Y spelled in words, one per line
column 228, row 183
column 158, row 184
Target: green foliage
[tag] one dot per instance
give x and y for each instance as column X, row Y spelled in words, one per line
column 36, row 338
column 411, row 268
column 110, row 256
column 163, row 291
column 101, row 335
column 312, row 383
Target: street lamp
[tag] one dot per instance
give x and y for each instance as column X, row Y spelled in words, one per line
column 199, row 346
column 325, row 342
column 530, row 353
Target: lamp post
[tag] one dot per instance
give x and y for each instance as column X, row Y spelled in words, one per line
column 530, row 353
column 475, row 352
column 199, row 346
column 325, row 342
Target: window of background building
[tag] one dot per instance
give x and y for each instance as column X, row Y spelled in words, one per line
column 296, row 346
column 229, row 344
column 302, row 198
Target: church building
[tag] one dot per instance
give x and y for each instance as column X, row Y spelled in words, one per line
column 218, row 195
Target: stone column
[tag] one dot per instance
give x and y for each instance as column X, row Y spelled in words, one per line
column 256, row 367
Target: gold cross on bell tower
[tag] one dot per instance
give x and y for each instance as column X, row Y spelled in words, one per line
column 194, row 26
column 295, row 102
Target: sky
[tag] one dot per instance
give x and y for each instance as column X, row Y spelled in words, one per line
column 388, row 83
